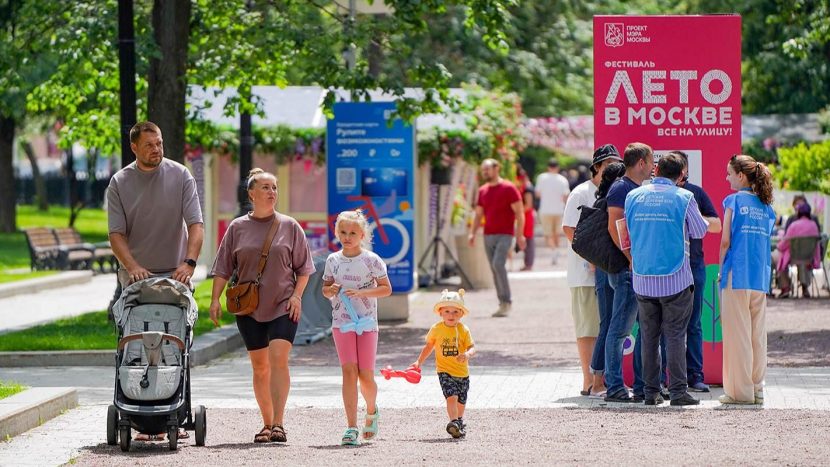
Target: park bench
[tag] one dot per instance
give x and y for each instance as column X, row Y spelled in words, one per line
column 77, row 253
column 43, row 248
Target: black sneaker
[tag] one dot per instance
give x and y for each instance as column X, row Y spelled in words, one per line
column 638, row 398
column 454, row 430
column 665, row 392
column 620, row 396
column 655, row 400
column 685, row 399
column 461, row 423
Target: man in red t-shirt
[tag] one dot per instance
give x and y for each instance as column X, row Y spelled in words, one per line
column 500, row 203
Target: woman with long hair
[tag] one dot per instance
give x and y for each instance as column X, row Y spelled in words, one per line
column 745, row 259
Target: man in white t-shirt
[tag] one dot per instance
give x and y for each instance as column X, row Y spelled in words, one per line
column 581, row 280
column 552, row 189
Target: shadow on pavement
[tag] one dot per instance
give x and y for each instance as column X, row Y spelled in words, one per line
column 339, row 447
column 796, row 349
column 138, row 449
column 441, row 440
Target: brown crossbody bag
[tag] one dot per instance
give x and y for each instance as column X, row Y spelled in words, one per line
column 241, row 299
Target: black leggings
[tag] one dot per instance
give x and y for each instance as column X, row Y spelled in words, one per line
column 258, row 335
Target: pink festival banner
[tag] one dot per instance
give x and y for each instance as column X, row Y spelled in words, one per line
column 674, row 83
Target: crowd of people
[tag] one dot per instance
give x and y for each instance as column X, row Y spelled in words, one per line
column 658, row 287
column 661, row 289
column 156, row 228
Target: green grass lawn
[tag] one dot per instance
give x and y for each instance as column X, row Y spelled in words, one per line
column 14, row 253
column 92, row 331
column 10, row 388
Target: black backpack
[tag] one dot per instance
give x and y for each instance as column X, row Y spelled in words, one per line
column 593, row 242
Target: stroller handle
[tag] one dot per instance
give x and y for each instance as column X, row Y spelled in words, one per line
column 136, row 337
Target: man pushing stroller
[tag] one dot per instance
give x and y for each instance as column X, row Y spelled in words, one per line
column 154, row 215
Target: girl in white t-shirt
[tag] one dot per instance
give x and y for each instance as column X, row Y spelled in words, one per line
column 354, row 278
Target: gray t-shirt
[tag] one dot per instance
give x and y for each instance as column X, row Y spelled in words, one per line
column 153, row 210
column 288, row 258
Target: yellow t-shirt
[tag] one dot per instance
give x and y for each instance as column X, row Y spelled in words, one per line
column 448, row 343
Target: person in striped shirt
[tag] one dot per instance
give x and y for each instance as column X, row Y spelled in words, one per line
column 661, row 217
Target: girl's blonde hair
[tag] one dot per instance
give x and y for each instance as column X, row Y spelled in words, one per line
column 358, row 218
column 257, row 173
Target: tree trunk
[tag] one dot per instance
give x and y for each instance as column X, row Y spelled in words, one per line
column 8, row 194
column 374, row 53
column 72, row 191
column 167, row 83
column 40, row 184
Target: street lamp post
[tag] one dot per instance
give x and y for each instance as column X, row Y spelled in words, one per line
column 246, row 150
column 126, row 71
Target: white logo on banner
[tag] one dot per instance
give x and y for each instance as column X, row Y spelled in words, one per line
column 614, row 36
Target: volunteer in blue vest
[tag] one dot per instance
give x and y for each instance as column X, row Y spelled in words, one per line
column 661, row 217
column 694, row 333
column 745, row 253
column 639, row 162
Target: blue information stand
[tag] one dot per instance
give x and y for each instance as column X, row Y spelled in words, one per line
column 371, row 166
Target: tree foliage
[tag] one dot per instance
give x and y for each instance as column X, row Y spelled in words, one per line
column 785, row 49
column 26, row 59
column 546, row 58
column 805, row 167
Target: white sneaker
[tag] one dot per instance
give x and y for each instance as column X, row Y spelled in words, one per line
column 759, row 396
column 724, row 399
column 504, row 309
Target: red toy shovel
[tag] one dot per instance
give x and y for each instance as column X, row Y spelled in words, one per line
column 411, row 374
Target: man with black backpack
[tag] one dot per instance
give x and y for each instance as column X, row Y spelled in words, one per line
column 590, row 324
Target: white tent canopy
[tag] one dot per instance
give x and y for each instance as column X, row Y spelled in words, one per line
column 300, row 106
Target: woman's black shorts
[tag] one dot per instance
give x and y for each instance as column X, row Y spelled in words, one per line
column 258, row 335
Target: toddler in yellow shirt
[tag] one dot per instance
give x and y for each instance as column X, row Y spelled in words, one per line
column 453, row 347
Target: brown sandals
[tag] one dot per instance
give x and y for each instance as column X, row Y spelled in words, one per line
column 274, row 433
column 264, row 435
column 278, row 434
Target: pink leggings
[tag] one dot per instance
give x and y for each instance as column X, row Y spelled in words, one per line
column 352, row 348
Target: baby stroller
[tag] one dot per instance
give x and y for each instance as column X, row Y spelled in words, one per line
column 154, row 318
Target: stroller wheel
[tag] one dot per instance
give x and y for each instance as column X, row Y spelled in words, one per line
column 112, row 425
column 173, row 437
column 125, row 436
column 200, row 420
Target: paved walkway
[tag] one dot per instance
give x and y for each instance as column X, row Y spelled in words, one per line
column 225, row 384
column 48, row 305
column 544, row 379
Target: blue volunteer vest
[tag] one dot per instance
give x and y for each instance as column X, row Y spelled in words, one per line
column 748, row 256
column 656, row 219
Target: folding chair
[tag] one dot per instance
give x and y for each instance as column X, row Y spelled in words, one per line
column 802, row 252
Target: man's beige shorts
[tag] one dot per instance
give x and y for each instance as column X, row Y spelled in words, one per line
column 551, row 224
column 585, row 311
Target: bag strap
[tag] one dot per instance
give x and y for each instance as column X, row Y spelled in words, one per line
column 266, row 248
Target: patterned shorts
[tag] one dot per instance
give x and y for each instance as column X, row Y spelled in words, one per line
column 454, row 386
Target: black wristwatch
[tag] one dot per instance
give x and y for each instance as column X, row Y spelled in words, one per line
column 190, row 262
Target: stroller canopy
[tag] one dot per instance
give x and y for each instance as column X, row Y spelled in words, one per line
column 157, row 290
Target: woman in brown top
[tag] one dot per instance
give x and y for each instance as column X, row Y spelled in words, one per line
column 269, row 331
